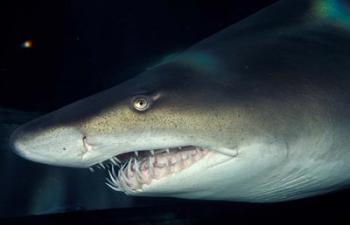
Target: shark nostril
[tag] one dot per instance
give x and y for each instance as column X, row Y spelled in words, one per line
column 86, row 145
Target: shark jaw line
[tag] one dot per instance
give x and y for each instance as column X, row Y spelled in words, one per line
column 129, row 172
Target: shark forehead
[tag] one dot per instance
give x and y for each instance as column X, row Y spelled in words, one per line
column 256, row 112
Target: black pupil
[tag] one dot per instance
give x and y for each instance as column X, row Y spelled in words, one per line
column 141, row 102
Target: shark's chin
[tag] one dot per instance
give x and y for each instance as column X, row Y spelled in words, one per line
column 138, row 169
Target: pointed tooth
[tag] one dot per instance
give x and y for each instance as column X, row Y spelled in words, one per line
column 113, row 187
column 113, row 161
column 111, row 177
column 124, row 166
column 152, row 152
column 119, row 176
column 123, row 171
column 136, row 153
column 91, row 169
column 114, row 180
column 113, row 172
column 116, row 159
column 137, row 167
column 138, row 172
column 101, row 164
column 167, row 150
column 109, row 180
column 123, row 178
column 120, row 172
column 129, row 167
column 150, row 167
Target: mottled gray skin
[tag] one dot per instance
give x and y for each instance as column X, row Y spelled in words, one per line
column 278, row 80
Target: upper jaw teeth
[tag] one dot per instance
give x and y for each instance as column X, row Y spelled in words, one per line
column 117, row 162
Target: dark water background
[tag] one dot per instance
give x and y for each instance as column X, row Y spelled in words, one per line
column 82, row 47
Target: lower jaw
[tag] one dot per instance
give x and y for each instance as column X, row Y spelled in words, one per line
column 143, row 167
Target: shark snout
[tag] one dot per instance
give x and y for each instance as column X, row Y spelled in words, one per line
column 63, row 146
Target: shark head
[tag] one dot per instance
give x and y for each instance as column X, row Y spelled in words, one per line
column 249, row 114
column 169, row 130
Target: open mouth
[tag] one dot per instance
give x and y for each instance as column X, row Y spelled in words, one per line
column 142, row 167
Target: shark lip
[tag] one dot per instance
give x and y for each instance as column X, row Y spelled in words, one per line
column 139, row 168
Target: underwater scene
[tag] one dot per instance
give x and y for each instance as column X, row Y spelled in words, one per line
column 175, row 112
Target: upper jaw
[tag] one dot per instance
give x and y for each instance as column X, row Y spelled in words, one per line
column 111, row 157
column 118, row 159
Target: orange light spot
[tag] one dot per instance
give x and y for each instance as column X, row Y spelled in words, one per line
column 27, row 44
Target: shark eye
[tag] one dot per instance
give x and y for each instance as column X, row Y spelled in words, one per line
column 141, row 103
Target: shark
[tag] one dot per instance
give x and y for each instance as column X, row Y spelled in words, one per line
column 258, row 112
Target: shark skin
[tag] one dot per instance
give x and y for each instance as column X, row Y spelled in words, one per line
column 259, row 112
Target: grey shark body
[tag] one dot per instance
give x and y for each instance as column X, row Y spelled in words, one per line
column 258, row 112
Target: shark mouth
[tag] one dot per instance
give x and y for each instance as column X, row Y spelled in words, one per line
column 142, row 167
